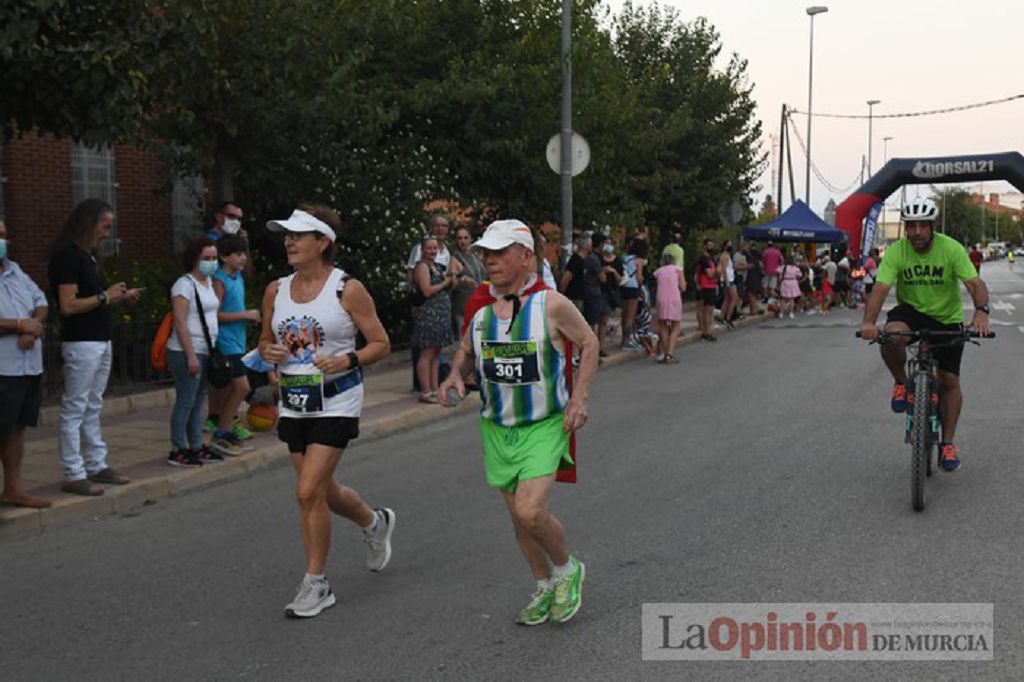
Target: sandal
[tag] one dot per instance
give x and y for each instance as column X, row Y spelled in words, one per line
column 109, row 476
column 82, row 486
column 671, row 360
column 430, row 397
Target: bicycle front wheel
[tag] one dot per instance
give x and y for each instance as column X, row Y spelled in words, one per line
column 919, row 442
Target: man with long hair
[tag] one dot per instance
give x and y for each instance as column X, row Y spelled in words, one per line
column 86, row 329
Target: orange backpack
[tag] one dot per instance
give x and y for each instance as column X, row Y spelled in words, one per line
column 158, row 351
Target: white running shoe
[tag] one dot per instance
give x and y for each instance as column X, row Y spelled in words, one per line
column 378, row 544
column 314, row 596
column 792, row 316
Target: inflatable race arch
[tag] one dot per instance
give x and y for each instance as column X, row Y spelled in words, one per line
column 896, row 173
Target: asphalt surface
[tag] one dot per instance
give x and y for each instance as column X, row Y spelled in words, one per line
column 763, row 468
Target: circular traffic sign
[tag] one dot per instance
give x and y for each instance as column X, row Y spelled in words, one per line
column 580, row 153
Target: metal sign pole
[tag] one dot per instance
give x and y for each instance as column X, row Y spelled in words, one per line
column 565, row 170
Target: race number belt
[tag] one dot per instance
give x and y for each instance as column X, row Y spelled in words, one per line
column 513, row 363
column 305, row 393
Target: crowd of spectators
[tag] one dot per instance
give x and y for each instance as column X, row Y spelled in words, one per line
column 207, row 305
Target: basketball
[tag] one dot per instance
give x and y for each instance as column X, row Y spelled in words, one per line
column 261, row 417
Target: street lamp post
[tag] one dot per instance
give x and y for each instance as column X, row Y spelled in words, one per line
column 885, row 149
column 811, row 11
column 871, row 106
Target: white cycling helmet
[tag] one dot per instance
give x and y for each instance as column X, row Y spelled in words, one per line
column 919, row 208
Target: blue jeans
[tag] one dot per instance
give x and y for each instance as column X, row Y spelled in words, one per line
column 189, row 389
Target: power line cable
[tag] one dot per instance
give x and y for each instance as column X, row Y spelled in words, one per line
column 932, row 112
column 818, row 174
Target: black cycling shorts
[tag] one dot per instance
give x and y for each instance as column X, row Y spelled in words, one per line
column 947, row 357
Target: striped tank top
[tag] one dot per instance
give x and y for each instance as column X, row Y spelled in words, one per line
column 522, row 375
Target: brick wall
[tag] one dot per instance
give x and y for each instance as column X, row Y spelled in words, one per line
column 143, row 205
column 38, row 199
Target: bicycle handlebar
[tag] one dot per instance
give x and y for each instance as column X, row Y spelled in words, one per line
column 927, row 334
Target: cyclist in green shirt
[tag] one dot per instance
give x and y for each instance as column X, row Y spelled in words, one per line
column 927, row 268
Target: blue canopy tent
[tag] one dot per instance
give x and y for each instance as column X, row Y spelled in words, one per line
column 797, row 224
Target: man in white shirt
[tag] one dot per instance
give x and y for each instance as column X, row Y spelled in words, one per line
column 439, row 227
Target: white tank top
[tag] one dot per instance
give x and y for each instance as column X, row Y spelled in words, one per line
column 309, row 330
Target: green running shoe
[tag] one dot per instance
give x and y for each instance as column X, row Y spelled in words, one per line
column 209, row 425
column 536, row 612
column 568, row 593
column 240, row 431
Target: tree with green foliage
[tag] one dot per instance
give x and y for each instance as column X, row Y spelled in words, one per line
column 697, row 141
column 959, row 217
column 380, row 107
column 82, row 68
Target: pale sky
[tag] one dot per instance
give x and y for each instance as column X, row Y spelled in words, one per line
column 913, row 55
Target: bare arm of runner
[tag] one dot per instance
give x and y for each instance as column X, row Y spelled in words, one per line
column 359, row 304
column 269, row 349
column 564, row 319
column 463, row 360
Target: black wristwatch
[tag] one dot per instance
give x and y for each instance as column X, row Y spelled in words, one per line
column 983, row 308
column 102, row 297
column 353, row 360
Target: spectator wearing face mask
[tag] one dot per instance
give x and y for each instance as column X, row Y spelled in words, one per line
column 194, row 305
column 227, row 220
column 595, row 274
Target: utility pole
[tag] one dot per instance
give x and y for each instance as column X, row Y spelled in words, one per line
column 566, row 132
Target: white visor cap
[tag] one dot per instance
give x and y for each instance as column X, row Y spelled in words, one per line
column 300, row 221
column 502, row 233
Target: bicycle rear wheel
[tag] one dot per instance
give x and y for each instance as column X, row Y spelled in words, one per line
column 919, row 442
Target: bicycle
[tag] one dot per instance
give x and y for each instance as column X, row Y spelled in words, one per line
column 924, row 421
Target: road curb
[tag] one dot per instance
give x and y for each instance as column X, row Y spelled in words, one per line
column 127, row 500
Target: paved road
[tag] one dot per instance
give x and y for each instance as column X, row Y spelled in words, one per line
column 764, row 468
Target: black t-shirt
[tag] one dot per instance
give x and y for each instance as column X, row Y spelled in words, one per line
column 72, row 265
column 593, row 265
column 575, row 266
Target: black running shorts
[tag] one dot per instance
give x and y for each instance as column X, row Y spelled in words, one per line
column 334, row 432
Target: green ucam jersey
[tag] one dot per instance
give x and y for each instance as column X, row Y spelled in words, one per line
column 929, row 282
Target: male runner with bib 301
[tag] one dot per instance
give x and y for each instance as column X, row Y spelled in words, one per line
column 518, row 346
column 927, row 269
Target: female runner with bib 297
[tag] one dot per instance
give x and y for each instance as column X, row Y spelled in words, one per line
column 310, row 322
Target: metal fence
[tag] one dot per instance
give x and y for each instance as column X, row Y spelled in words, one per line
column 131, row 370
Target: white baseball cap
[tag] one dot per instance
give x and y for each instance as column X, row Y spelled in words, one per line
column 300, row 221
column 502, row 233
